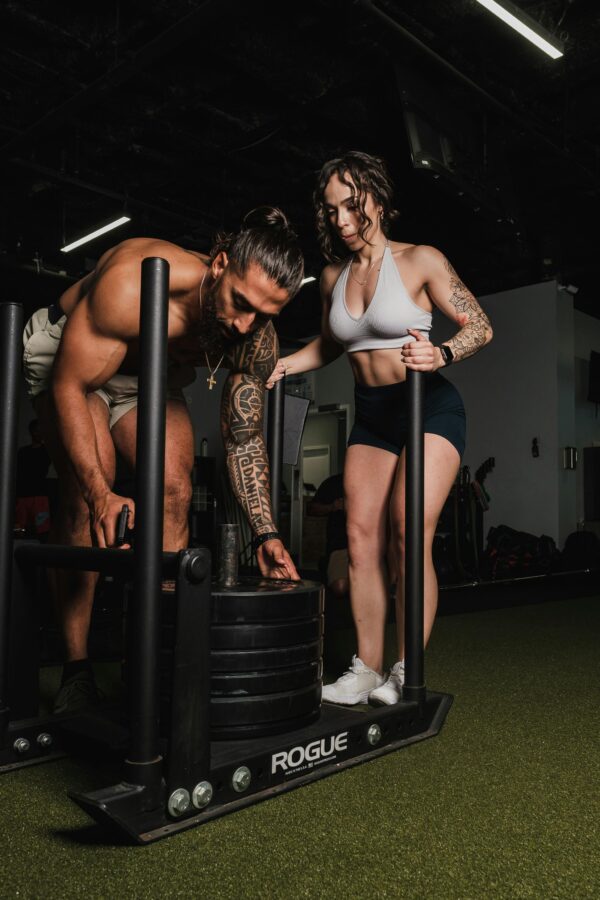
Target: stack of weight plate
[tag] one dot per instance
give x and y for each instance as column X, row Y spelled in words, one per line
column 266, row 657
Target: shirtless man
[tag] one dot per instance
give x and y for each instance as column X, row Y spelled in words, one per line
column 81, row 361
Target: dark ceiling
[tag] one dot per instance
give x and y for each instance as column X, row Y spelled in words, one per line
column 185, row 115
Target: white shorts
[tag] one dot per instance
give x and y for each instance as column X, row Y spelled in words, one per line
column 120, row 393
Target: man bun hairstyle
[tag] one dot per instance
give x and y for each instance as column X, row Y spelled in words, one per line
column 267, row 239
column 266, row 217
column 369, row 175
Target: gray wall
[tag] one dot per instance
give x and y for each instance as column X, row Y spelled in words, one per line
column 512, row 395
column 566, row 433
column 587, row 416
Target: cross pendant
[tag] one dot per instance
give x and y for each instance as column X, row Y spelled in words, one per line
column 211, row 381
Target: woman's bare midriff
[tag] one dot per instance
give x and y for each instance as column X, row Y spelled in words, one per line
column 375, row 368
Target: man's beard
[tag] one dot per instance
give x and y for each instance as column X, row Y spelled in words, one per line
column 212, row 336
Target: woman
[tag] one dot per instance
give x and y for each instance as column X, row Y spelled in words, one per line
column 378, row 298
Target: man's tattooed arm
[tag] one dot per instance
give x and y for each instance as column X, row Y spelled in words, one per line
column 242, row 413
column 476, row 330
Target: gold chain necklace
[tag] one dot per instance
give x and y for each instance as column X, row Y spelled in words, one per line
column 380, row 259
column 211, row 380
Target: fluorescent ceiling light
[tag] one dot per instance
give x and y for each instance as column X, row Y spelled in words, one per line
column 521, row 27
column 306, row 280
column 95, row 234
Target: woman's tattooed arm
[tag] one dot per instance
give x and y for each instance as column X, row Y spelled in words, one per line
column 242, row 413
column 476, row 331
column 456, row 301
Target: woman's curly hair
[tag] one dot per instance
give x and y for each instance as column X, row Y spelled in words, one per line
column 369, row 175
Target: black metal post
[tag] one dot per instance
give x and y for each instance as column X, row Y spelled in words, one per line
column 414, row 685
column 11, row 335
column 275, row 445
column 144, row 764
column 188, row 760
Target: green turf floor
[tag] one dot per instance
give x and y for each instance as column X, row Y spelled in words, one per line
column 505, row 802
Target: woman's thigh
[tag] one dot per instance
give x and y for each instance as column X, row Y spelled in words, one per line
column 441, row 465
column 369, row 474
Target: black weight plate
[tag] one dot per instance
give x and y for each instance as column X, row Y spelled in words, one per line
column 251, row 637
column 254, row 618
column 252, row 584
column 245, row 684
column 246, row 732
column 265, row 658
column 253, row 660
column 266, row 607
column 228, row 711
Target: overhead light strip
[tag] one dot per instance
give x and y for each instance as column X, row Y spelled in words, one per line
column 95, row 234
column 307, row 279
column 521, row 27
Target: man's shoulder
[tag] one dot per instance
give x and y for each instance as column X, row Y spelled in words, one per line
column 130, row 254
column 113, row 293
column 256, row 353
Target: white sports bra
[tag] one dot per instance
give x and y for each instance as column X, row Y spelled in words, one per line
column 387, row 318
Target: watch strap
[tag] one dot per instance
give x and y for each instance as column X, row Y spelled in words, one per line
column 263, row 538
column 447, row 354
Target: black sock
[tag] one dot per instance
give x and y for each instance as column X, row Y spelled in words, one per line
column 74, row 667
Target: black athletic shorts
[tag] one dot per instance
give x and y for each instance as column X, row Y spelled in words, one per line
column 381, row 414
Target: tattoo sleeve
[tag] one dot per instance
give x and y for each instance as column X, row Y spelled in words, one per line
column 242, row 416
column 477, row 330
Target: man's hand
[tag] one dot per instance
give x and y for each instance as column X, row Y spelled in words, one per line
column 275, row 562
column 104, row 516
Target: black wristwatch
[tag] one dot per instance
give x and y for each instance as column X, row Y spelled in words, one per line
column 263, row 538
column 447, row 354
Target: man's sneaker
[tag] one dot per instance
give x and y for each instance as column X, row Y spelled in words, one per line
column 390, row 692
column 77, row 692
column 354, row 686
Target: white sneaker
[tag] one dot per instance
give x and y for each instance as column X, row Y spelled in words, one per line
column 354, row 686
column 390, row 692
